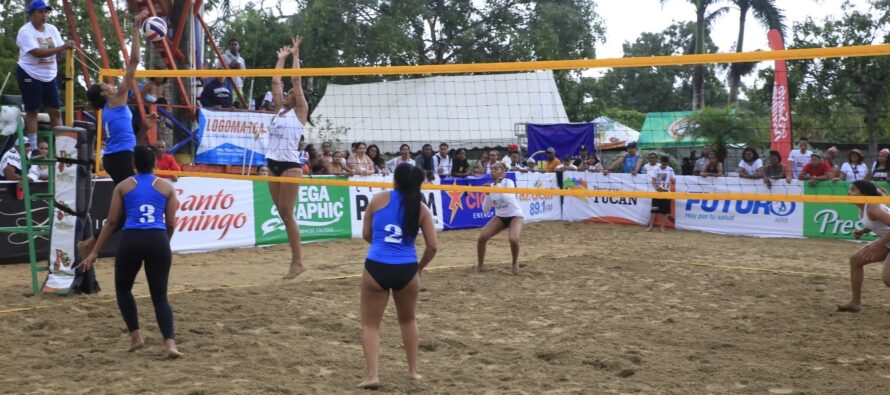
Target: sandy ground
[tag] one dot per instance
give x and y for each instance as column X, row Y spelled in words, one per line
column 585, row 316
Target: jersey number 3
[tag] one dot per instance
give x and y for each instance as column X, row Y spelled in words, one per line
column 395, row 234
column 148, row 214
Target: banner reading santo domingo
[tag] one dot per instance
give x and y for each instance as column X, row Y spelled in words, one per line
column 229, row 137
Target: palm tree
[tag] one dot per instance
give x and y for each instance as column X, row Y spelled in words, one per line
column 721, row 127
column 771, row 17
column 703, row 19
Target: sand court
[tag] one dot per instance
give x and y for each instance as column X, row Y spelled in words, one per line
column 597, row 309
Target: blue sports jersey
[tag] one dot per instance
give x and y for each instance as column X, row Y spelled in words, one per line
column 630, row 162
column 145, row 206
column 118, row 125
column 388, row 245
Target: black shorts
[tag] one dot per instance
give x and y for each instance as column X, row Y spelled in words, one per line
column 36, row 94
column 391, row 276
column 278, row 168
column 506, row 221
column 661, row 206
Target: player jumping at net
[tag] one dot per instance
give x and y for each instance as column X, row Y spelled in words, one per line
column 875, row 218
column 150, row 203
column 283, row 152
column 117, row 121
column 390, row 226
column 508, row 215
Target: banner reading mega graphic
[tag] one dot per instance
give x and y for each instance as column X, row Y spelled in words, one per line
column 360, row 197
column 321, row 211
column 739, row 217
column 833, row 220
column 213, row 214
column 229, row 137
column 615, row 210
column 537, row 208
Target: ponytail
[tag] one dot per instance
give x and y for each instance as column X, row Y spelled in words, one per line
column 407, row 181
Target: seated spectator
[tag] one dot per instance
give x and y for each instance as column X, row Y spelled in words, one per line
column 425, row 160
column 263, row 170
column 380, row 166
column 652, row 165
column 359, row 163
column 404, row 157
column 165, row 161
column 42, row 153
column 775, row 170
column 830, row 158
column 508, row 159
column 373, row 152
column 477, row 170
column 493, row 157
column 582, row 156
column 566, row 165
column 879, row 168
column 687, row 167
column 216, row 94
column 750, row 167
column 11, row 164
column 853, row 169
column 338, row 165
column 155, row 91
column 460, row 167
column 532, row 165
column 516, row 164
column 442, row 160
column 714, row 168
column 552, row 161
column 591, row 164
column 316, row 164
column 326, row 152
column 816, row 170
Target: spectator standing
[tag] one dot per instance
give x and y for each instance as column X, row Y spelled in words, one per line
column 326, row 152
column 373, row 152
column 442, row 160
column 460, row 167
column 404, row 157
column 629, row 162
column 830, row 158
column 661, row 178
column 702, row 161
column 216, row 94
column 879, row 168
column 775, row 170
column 687, row 167
column 814, row 171
column 582, row 156
column 493, row 157
column 552, row 162
column 425, row 160
column 652, row 165
column 39, row 43
column 317, row 164
column 508, row 159
column 714, row 168
column 233, row 60
column 799, row 158
column 359, row 163
column 853, row 169
column 338, row 166
column 41, row 153
column 566, row 165
column 591, row 164
column 263, row 170
column 165, row 161
column 517, row 164
column 155, row 91
column 750, row 167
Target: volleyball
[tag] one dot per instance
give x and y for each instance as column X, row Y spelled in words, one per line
column 154, row 29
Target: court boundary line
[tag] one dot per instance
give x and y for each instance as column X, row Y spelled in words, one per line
column 665, row 262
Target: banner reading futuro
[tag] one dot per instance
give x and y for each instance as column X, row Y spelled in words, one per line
column 739, row 217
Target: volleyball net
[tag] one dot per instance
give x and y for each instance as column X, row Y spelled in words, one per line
column 474, row 113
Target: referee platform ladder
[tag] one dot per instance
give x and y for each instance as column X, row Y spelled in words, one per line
column 32, row 229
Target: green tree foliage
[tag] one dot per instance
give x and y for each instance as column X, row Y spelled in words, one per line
column 721, row 127
column 771, row 17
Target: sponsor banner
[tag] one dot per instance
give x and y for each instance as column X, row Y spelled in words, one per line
column 537, row 208
column 780, row 119
column 616, row 210
column 739, row 217
column 62, row 258
column 833, row 220
column 213, row 214
column 322, row 212
column 462, row 210
column 229, row 137
column 360, row 198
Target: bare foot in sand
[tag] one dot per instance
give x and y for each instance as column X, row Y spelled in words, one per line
column 515, row 269
column 849, row 308
column 369, row 383
column 649, row 229
column 296, row 269
column 136, row 342
column 172, row 351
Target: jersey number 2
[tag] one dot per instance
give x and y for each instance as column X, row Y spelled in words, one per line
column 148, row 214
column 395, row 234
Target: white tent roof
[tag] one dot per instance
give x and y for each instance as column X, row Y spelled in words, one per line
column 464, row 111
column 611, row 134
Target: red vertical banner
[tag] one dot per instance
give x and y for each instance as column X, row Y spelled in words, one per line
column 780, row 121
